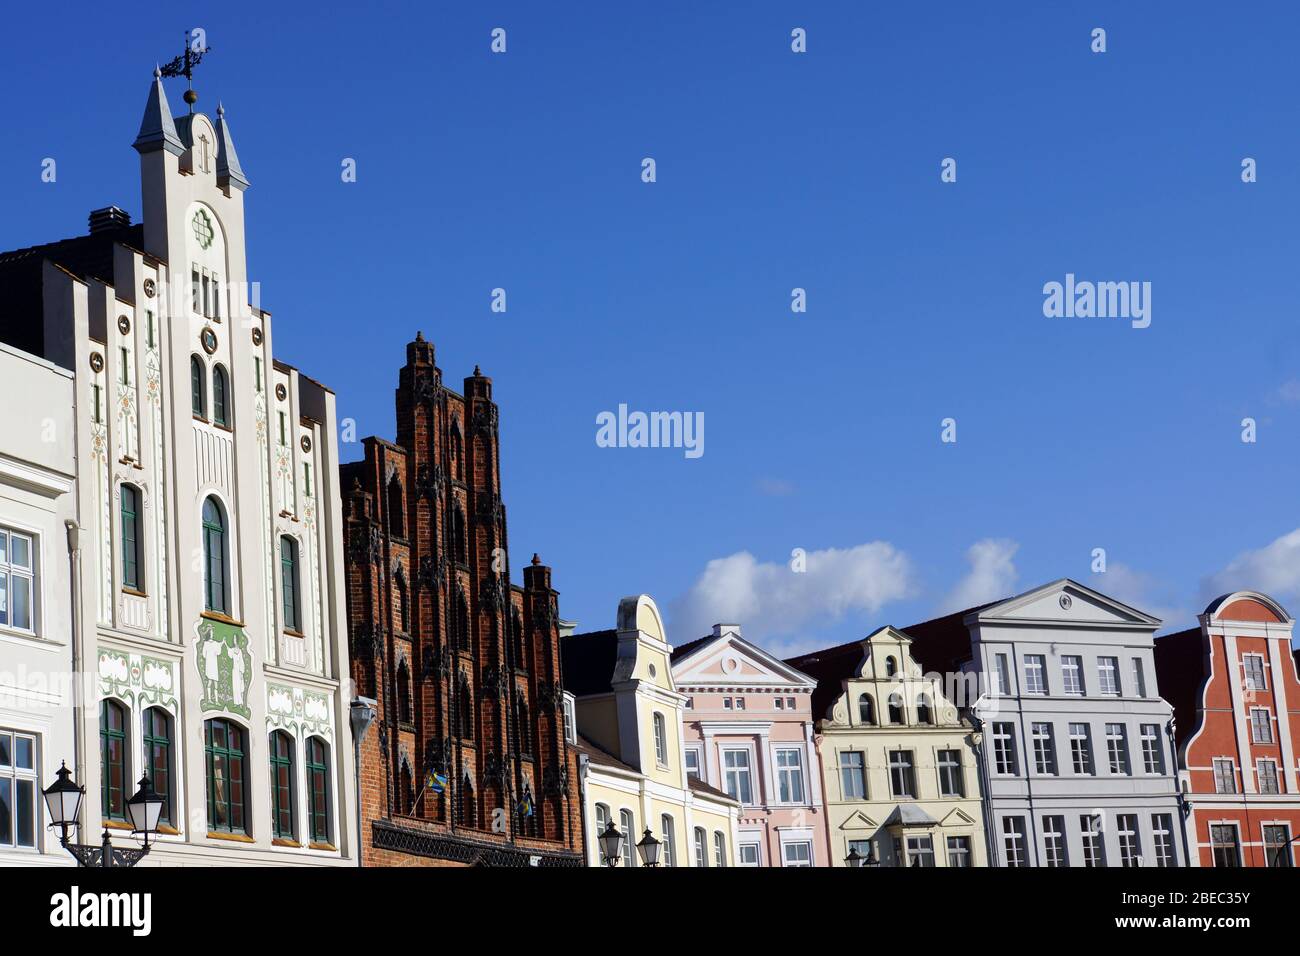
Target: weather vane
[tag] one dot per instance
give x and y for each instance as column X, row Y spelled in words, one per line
column 195, row 47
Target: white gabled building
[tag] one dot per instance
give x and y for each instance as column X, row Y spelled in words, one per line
column 211, row 561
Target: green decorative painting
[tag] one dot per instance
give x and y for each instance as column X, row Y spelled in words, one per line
column 225, row 666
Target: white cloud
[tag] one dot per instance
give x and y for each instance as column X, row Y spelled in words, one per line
column 992, row 575
column 1273, row 569
column 770, row 599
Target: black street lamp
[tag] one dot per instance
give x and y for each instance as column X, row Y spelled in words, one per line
column 63, row 801
column 648, row 848
column 856, row 859
column 611, row 844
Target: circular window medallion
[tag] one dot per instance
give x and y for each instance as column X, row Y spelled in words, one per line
column 652, row 670
column 202, row 227
column 123, row 325
column 257, row 336
column 96, row 362
column 730, row 665
column 208, row 339
column 281, row 392
column 150, row 288
column 305, row 443
column 1065, row 602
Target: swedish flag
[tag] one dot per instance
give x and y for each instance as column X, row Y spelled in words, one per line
column 436, row 782
column 526, row 805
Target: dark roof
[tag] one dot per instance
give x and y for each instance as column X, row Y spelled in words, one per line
column 942, row 644
column 699, row 786
column 690, row 647
column 86, row 257
column 828, row 667
column 1180, row 673
column 587, row 662
column 599, row 755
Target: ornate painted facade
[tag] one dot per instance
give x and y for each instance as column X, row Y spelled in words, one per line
column 468, row 762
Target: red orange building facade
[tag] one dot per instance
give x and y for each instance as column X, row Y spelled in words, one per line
column 1236, row 698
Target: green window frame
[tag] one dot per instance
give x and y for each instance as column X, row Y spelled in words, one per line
column 226, row 760
column 114, row 772
column 158, row 757
column 289, row 582
column 318, row 789
column 282, row 816
column 198, row 405
column 130, row 513
column 214, row 556
column 220, row 396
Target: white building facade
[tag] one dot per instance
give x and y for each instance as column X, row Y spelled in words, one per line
column 211, row 562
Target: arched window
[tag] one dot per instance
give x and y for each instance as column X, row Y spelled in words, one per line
column 667, row 852
column 220, row 396
column 403, row 616
column 405, row 789
column 866, row 709
column 891, row 667
column 114, row 770
column 521, row 640
column 923, row 714
column 158, row 757
column 602, row 821
column 457, row 469
column 214, row 556
column 282, row 822
column 466, row 801
column 198, row 388
column 462, row 620
column 719, row 848
column 701, row 848
column 396, row 509
column 895, row 708
column 466, row 709
column 227, row 777
column 627, row 823
column 132, row 544
column 458, row 535
column 318, row 790
column 404, row 692
column 661, row 740
column 289, row 583
column 525, row 730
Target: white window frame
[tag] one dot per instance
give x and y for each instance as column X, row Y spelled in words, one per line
column 14, row 774
column 1036, row 675
column 627, row 823
column 661, row 740
column 696, row 754
column 860, row 768
column 1044, row 748
column 701, row 841
column 1108, row 683
column 1162, row 839
column 1117, row 750
column 787, row 845
column 748, row 770
column 1153, row 755
column 1130, row 840
column 745, row 845
column 1215, row 766
column 1056, row 846
column 1262, row 764
column 1092, row 834
column 1266, row 725
column 1247, row 681
column 1072, row 680
column 786, row 775
column 1015, row 841
column 956, row 771
column 31, row 575
column 1139, row 678
column 1008, row 738
column 1081, row 744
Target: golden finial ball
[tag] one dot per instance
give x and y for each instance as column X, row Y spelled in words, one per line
column 191, row 97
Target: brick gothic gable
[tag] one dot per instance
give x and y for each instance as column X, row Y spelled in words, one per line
column 464, row 665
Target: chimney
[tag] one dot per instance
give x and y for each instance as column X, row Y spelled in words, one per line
column 721, row 630
column 108, row 219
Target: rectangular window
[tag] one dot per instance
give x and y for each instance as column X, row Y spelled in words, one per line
column 1004, row 748
column 1094, row 846
column 959, row 854
column 257, row 372
column 668, row 850
column 1108, row 676
column 1130, row 844
column 740, row 703
column 306, row 478
column 1081, row 749
column 1054, row 844
column 1013, row 841
column 952, row 782
column 1139, row 678
column 1253, row 666
column 701, row 848
column 789, row 775
column 1162, row 835
column 1035, row 674
column 289, row 582
column 1153, row 759
column 19, row 800
column 902, row 775
column 282, row 438
column 124, row 359
column 1001, row 675
column 780, row 703
column 216, row 297
column 207, row 296
column 796, row 854
column 1226, row 845
column 920, row 851
column 853, row 775
column 736, row 774
column 1261, row 725
column 148, row 328
column 1072, row 674
column 98, row 409
column 1266, row 771
column 17, row 579
column 1277, row 845
column 1117, row 748
column 130, row 519
column 748, row 854
column 1044, row 749
column 863, row 847
column 692, row 759
column 196, row 295
column 1225, row 777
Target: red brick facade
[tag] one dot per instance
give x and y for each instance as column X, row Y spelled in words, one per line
column 464, row 666
column 1238, row 724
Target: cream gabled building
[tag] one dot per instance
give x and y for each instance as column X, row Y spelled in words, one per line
column 899, row 765
column 631, row 750
column 212, row 613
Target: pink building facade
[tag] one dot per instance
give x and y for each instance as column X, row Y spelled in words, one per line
column 748, row 730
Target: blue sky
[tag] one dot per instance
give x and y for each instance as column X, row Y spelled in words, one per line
column 775, row 170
